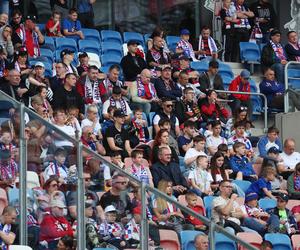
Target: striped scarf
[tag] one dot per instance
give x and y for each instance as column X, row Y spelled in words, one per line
column 92, row 91
column 278, row 49
column 141, row 89
column 244, row 22
column 211, row 44
column 121, row 101
column 187, row 48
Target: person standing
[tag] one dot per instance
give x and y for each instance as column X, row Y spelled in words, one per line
column 86, row 13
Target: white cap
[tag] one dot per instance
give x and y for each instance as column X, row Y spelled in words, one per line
column 57, row 203
column 39, row 64
column 110, row 208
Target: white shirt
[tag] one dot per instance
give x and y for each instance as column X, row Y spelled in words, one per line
column 86, row 122
column 60, row 141
column 192, row 152
column 290, row 161
column 214, row 142
column 106, row 104
column 202, row 178
column 156, row 120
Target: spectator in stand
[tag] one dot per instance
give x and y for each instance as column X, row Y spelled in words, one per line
column 268, row 141
column 273, row 90
column 211, row 79
column 157, row 56
column 3, row 64
column 192, row 153
column 184, row 47
column 273, row 55
column 290, row 157
column 229, row 17
column 214, row 140
column 3, row 19
column 293, row 183
column 16, row 20
column 5, row 40
column 241, row 83
column 167, row 112
column 8, row 230
column 20, row 63
column 132, row 64
column 241, row 27
column 86, row 13
column 71, row 26
column 116, row 100
column 265, row 16
column 165, row 86
column 92, row 120
column 185, row 141
column 293, row 47
column 53, row 25
column 66, row 243
column 92, row 141
column 165, row 123
column 54, row 225
column 83, row 67
column 162, row 140
column 212, row 109
column 187, row 109
column 66, row 95
column 142, row 92
column 266, row 245
column 165, row 169
column 184, row 64
column 207, row 46
column 67, row 57
column 113, row 197
column 158, row 31
column 58, row 80
column 138, row 130
column 61, row 6
column 29, row 36
column 8, row 168
column 201, row 242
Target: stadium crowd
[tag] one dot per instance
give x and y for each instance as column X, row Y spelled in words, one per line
column 155, row 117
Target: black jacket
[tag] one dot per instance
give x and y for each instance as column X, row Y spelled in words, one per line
column 132, row 66
column 205, row 82
column 291, row 52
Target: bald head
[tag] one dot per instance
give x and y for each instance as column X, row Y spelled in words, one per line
column 146, row 76
column 289, row 146
column 201, row 242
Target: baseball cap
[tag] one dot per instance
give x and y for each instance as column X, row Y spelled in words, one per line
column 251, row 196
column 119, row 113
column 66, row 52
column 31, row 17
column 283, row 197
column 82, row 55
column 184, row 32
column 245, row 74
column 132, row 42
column 39, row 64
column 165, row 66
column 273, row 150
column 57, row 203
column 110, row 208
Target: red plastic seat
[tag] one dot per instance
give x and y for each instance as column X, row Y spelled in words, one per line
column 169, row 239
column 253, row 238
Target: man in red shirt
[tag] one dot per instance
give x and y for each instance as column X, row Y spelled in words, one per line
column 241, row 83
column 54, row 225
column 30, row 36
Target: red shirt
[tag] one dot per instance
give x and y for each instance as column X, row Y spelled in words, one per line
column 296, row 210
column 199, row 210
column 50, row 24
column 237, row 85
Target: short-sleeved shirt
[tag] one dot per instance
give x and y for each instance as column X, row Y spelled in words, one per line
column 214, row 142
column 257, row 187
column 290, row 161
column 89, row 195
column 119, row 137
column 71, row 26
column 182, row 141
column 202, row 178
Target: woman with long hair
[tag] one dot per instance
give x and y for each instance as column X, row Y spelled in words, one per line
column 158, row 31
column 162, row 140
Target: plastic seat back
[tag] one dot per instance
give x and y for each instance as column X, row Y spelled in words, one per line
column 279, row 241
column 110, row 59
column 66, row 43
column 169, row 239
column 224, row 243
column 111, row 36
column 208, row 204
column 172, row 42
column 244, row 185
column 89, row 46
column 187, row 239
column 253, row 238
column 266, row 203
column 91, row 34
column 133, row 36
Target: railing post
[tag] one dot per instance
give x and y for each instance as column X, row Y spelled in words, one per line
column 211, row 235
column 81, row 232
column 23, row 180
column 265, row 113
column 286, row 86
column 144, row 224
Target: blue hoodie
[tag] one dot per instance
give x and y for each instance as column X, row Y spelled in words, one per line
column 270, row 89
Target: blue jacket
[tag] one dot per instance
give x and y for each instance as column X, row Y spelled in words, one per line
column 262, row 145
column 174, row 93
column 270, row 89
column 241, row 164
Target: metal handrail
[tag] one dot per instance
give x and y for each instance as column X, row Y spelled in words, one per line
column 286, row 85
column 80, row 204
column 252, row 93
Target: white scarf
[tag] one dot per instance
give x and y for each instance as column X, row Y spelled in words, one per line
column 92, row 90
column 211, row 44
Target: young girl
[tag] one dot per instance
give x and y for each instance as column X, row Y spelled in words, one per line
column 42, row 92
column 200, row 178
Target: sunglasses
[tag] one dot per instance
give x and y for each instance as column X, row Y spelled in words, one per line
column 169, row 106
column 243, row 108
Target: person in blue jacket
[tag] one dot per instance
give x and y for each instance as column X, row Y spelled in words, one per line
column 240, row 164
column 268, row 141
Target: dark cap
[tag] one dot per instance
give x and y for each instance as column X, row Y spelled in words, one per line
column 30, row 17
column 66, row 52
column 119, row 113
column 273, row 150
column 82, row 55
column 283, row 197
column 184, row 32
column 5, row 154
column 245, row 74
column 116, row 90
column 132, row 42
column 275, row 32
column 60, row 151
column 21, row 51
column 251, row 197
column 183, row 57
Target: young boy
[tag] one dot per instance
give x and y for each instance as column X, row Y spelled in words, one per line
column 213, row 141
column 132, row 228
column 185, row 141
column 83, row 64
column 139, row 126
column 241, row 167
column 193, row 153
column 184, row 47
column 6, row 143
column 57, row 167
column 110, row 230
column 191, row 199
column 263, row 185
column 110, row 121
column 9, row 169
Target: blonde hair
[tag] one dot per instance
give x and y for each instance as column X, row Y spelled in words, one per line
column 162, row 203
column 92, row 108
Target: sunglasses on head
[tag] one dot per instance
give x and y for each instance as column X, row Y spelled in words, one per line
column 243, row 108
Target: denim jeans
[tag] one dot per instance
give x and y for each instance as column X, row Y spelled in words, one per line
column 279, row 71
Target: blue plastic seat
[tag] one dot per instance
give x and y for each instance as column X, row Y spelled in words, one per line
column 66, row 43
column 225, row 70
column 133, row 36
column 200, row 66
column 207, row 200
column 279, row 241
column 253, row 87
column 244, row 185
column 111, row 36
column 109, row 59
column 48, row 53
column 111, row 48
column 187, row 239
column 250, row 52
column 4, row 109
column 89, row 46
column 294, row 77
column 224, row 243
column 172, row 42
column 267, row 203
column 91, row 34
column 49, row 43
column 42, row 27
column 150, row 118
column 257, row 104
column 146, row 37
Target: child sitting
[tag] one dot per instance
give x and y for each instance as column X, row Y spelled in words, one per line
column 108, row 122
column 132, row 228
column 72, row 120
column 140, row 126
column 7, row 144
column 8, row 169
column 42, row 92
column 57, row 167
column 242, row 168
column 111, row 231
column 191, row 199
column 200, row 178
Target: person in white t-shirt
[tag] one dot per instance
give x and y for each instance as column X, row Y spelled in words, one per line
column 290, row 157
column 92, row 120
column 192, row 153
column 214, row 140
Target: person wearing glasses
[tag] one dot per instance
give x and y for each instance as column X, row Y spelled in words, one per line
column 16, row 20
column 5, row 40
